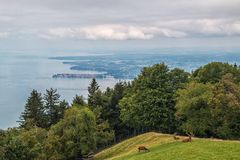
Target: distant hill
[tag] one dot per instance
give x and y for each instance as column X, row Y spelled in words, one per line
column 164, row 147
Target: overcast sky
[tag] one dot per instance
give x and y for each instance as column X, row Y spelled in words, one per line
column 75, row 24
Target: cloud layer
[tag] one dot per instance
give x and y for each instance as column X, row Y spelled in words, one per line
column 118, row 20
column 206, row 27
column 112, row 32
column 169, row 29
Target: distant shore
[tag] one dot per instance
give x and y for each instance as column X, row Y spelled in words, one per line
column 66, row 75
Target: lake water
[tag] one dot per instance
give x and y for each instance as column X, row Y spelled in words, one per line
column 21, row 73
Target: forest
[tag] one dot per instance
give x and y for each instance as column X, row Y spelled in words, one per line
column 204, row 103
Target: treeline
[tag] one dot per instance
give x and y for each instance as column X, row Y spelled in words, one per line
column 205, row 103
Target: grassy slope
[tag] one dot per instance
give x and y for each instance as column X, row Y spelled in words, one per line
column 163, row 147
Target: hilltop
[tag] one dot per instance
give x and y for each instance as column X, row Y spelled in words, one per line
column 164, row 147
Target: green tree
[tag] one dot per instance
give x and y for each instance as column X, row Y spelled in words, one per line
column 226, row 108
column 104, row 134
column 23, row 144
column 111, row 109
column 150, row 103
column 2, row 143
column 52, row 101
column 63, row 105
column 96, row 102
column 193, row 109
column 129, row 113
column 214, row 71
column 93, row 94
column 73, row 136
column 33, row 114
column 210, row 109
column 78, row 100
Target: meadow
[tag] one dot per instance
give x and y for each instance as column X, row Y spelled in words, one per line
column 164, row 147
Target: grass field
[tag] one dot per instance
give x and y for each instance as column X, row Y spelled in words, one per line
column 164, row 147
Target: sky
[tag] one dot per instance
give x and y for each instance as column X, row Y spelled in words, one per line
column 77, row 24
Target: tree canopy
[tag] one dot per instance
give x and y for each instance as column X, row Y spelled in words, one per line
column 150, row 102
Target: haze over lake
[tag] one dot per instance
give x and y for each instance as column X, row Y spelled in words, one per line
column 20, row 73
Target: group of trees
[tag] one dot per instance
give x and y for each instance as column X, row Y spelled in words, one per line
column 205, row 103
column 43, row 111
column 150, row 101
column 209, row 106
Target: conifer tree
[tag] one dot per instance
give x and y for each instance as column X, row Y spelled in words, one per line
column 96, row 102
column 63, row 105
column 79, row 101
column 93, row 90
column 33, row 114
column 52, row 101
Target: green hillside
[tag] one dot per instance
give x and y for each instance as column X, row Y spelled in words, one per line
column 164, row 147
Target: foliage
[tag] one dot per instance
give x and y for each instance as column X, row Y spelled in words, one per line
column 23, row 144
column 214, row 71
column 193, row 109
column 104, row 134
column 33, row 114
column 63, row 105
column 73, row 136
column 2, row 142
column 111, row 109
column 96, row 101
column 93, row 94
column 52, row 101
column 150, row 101
column 78, row 100
column 226, row 108
column 210, row 110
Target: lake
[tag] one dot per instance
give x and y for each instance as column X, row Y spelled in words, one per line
column 19, row 75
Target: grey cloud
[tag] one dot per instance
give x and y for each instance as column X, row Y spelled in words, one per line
column 169, row 29
column 205, row 27
column 112, row 32
column 119, row 19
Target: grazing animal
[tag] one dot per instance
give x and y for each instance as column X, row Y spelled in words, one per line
column 143, row 148
column 176, row 138
column 189, row 139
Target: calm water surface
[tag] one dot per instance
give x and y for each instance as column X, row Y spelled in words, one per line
column 20, row 74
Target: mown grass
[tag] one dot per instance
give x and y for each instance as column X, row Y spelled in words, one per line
column 163, row 147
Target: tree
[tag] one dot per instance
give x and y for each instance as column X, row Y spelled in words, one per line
column 93, row 93
column 88, row 131
column 96, row 102
column 210, row 109
column 193, row 109
column 111, row 109
column 104, row 133
column 73, row 136
column 149, row 103
column 129, row 113
column 63, row 105
column 214, row 71
column 23, row 144
column 2, row 143
column 226, row 108
column 52, row 100
column 33, row 114
column 78, row 100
